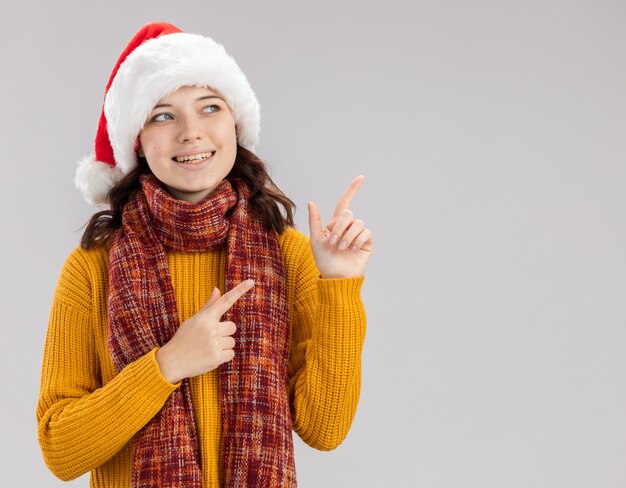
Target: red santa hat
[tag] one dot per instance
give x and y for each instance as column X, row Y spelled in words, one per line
column 158, row 60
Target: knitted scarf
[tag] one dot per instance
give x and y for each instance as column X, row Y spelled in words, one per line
column 257, row 443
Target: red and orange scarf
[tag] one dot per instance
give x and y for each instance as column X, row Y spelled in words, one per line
column 256, row 422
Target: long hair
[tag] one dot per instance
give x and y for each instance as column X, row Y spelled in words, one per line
column 273, row 206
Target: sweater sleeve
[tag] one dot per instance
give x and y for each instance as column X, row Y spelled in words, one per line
column 82, row 423
column 328, row 331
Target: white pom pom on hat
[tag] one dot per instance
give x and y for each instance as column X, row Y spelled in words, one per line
column 157, row 61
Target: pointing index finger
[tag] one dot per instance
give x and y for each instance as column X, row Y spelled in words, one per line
column 346, row 199
column 229, row 298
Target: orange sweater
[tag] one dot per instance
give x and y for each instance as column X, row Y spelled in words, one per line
column 88, row 412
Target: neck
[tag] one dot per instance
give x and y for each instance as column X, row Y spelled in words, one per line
column 192, row 197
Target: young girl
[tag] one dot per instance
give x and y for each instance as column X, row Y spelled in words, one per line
column 151, row 375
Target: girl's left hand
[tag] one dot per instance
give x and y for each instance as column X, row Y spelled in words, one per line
column 343, row 248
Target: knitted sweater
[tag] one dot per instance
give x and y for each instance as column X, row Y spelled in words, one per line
column 88, row 413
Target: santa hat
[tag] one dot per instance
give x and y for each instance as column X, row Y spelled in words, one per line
column 158, row 60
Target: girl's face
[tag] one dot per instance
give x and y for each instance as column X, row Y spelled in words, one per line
column 190, row 143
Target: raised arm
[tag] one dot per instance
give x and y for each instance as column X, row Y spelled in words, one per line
column 328, row 330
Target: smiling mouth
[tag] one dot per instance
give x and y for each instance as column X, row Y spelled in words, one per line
column 195, row 158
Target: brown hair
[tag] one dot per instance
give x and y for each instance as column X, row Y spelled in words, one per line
column 275, row 209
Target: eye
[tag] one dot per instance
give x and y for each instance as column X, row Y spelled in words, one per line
column 161, row 117
column 211, row 108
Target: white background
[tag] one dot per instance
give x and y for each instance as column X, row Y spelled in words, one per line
column 492, row 135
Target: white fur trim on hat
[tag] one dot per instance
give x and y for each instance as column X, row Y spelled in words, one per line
column 159, row 67
column 94, row 179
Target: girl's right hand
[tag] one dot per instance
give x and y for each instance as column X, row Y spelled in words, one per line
column 202, row 342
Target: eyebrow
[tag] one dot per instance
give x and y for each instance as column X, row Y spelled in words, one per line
column 206, row 97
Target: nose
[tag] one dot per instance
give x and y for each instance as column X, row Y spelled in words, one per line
column 189, row 130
